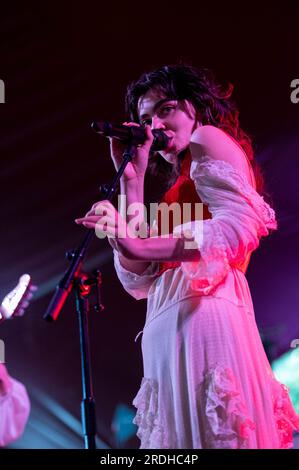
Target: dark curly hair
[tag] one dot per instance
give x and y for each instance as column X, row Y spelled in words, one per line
column 212, row 102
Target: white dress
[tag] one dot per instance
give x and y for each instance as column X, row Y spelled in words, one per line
column 207, row 381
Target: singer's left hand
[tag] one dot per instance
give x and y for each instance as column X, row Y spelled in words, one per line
column 106, row 221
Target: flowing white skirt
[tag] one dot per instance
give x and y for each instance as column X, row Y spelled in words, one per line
column 207, row 381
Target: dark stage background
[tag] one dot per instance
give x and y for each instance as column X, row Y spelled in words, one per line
column 66, row 65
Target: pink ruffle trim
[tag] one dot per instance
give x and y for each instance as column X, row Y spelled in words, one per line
column 227, row 424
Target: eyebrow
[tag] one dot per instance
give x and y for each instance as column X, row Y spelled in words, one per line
column 157, row 105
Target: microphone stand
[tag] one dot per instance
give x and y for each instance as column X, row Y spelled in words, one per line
column 75, row 278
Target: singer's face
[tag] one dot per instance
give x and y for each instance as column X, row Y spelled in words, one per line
column 175, row 118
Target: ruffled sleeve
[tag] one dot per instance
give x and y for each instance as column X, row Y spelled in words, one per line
column 240, row 217
column 137, row 285
column 14, row 412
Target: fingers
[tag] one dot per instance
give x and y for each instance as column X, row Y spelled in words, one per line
column 102, row 230
column 92, row 220
column 131, row 124
column 105, row 206
column 101, row 208
column 109, row 225
column 149, row 138
column 104, row 201
column 117, row 144
column 99, row 212
column 149, row 133
column 104, row 218
column 86, row 219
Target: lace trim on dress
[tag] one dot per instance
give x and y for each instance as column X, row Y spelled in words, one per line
column 150, row 272
column 152, row 432
column 227, row 424
column 287, row 421
column 231, row 177
column 225, row 418
column 219, row 184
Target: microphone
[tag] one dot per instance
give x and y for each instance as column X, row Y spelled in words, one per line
column 131, row 134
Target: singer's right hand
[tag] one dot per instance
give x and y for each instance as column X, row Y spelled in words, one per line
column 136, row 168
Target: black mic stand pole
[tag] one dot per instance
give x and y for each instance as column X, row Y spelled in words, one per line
column 75, row 278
